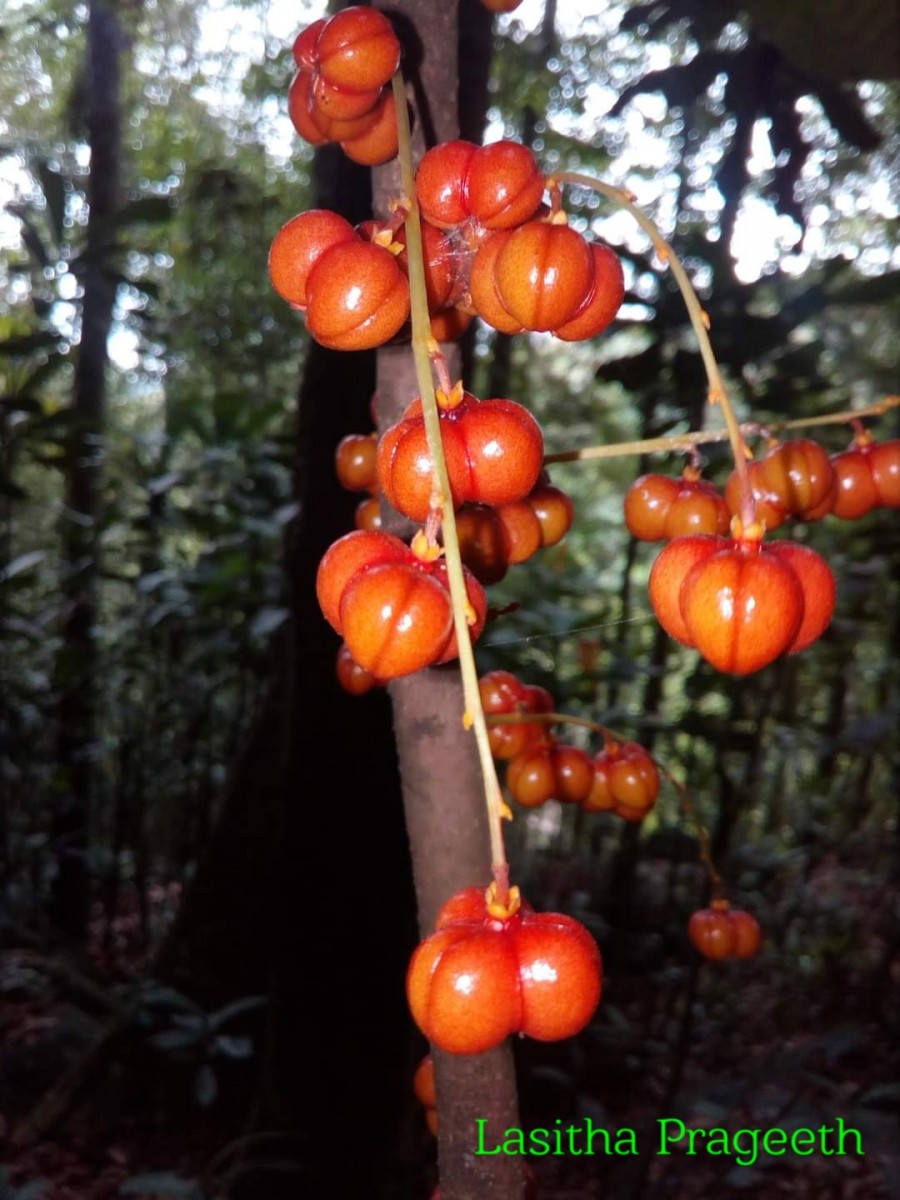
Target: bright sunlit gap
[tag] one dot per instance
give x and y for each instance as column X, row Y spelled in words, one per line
column 645, row 139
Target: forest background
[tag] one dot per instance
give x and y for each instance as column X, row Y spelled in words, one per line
column 167, row 692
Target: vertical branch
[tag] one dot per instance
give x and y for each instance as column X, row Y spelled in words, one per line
column 77, row 663
column 442, row 786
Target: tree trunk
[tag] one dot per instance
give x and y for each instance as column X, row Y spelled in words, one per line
column 305, row 891
column 331, row 928
column 447, row 827
column 76, row 672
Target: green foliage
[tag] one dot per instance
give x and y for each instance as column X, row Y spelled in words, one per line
column 162, row 1184
column 197, row 460
column 793, row 772
column 33, row 1190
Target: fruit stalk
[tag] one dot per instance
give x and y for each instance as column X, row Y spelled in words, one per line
column 718, row 393
column 704, row 847
column 421, row 340
column 700, row 437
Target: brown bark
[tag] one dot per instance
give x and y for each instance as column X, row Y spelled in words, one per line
column 442, row 787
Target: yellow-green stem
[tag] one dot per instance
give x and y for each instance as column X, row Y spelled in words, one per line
column 702, row 833
column 421, row 336
column 552, row 718
column 718, row 393
column 687, row 441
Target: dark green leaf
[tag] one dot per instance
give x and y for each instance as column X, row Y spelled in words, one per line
column 238, row 1048
column 883, row 1095
column 23, row 562
column 162, row 483
column 680, row 85
column 158, row 996
column 45, row 371
column 267, row 620
column 30, row 1191
column 54, row 189
column 237, row 1008
column 206, row 1086
column 172, row 1040
column 148, row 208
column 30, row 235
column 162, row 1183
column 31, row 343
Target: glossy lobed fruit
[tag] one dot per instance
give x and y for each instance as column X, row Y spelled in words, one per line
column 368, row 514
column 351, row 676
column 554, row 511
column 543, row 273
column 741, row 603
column 440, row 183
column 481, row 542
column 423, row 1083
column 391, row 606
column 345, row 558
column 493, row 539
column 502, row 693
column 501, row 6
column 819, row 590
column 487, row 972
column 504, row 185
column 742, row 609
column 855, row 491
column 794, row 479
column 626, row 782
column 299, row 102
column 497, row 186
column 530, row 774
column 574, row 772
column 523, row 267
column 339, row 93
column 357, row 49
column 658, row 507
column 477, row 602
column 520, row 528
column 483, row 294
column 340, row 103
column 648, row 503
column 549, row 770
column 297, row 247
column 720, row 932
column 667, row 576
column 395, row 619
column 867, row 475
column 380, row 142
column 354, row 461
column 602, row 302
column 536, row 699
column 494, row 451
column 325, row 121
column 440, row 265
column 425, row 1092
column 304, row 48
column 884, row 464
column 449, row 324
column 357, row 297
